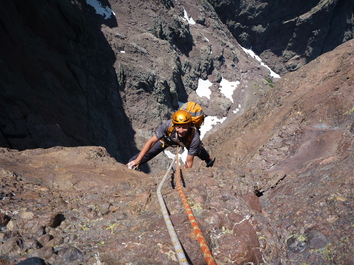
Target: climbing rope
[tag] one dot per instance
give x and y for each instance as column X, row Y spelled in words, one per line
column 176, row 244
column 202, row 242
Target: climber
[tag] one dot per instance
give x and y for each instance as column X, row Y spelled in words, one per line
column 177, row 131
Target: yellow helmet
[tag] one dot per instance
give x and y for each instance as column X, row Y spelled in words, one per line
column 181, row 117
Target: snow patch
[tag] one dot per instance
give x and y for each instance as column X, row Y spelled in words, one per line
column 250, row 52
column 203, row 88
column 227, row 88
column 237, row 109
column 187, row 18
column 209, row 123
column 106, row 12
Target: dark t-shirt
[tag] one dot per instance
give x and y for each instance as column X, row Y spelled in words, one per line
column 193, row 148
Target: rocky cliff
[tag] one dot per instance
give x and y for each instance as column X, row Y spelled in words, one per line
column 288, row 35
column 296, row 144
column 84, row 85
column 51, row 57
column 73, row 76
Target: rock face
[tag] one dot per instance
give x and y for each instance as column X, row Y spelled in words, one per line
column 81, row 92
column 297, row 146
column 287, row 35
column 76, row 77
column 79, row 206
column 280, row 193
column 73, row 77
column 50, row 93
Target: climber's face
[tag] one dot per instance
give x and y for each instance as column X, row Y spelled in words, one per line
column 182, row 129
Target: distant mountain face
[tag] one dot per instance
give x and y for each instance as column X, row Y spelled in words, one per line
column 72, row 75
column 288, row 34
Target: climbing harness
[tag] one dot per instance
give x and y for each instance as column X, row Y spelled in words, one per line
column 202, row 242
column 176, row 244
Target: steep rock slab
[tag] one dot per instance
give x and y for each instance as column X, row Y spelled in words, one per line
column 296, row 145
column 78, row 205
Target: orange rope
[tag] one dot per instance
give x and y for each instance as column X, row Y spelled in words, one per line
column 202, row 242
